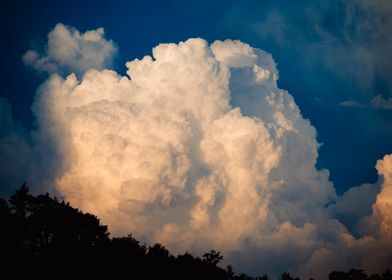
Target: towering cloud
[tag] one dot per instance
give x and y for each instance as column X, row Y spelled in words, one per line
column 198, row 148
column 69, row 51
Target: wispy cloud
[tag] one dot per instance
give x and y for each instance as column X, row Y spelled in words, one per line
column 352, row 104
column 349, row 39
column 378, row 102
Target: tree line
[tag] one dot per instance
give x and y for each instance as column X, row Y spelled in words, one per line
column 43, row 237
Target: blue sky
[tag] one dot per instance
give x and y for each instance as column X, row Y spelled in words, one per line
column 327, row 52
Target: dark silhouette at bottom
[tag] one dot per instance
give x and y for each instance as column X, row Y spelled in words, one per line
column 41, row 238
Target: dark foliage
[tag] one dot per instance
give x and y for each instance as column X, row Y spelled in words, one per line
column 358, row 274
column 287, row 276
column 41, row 238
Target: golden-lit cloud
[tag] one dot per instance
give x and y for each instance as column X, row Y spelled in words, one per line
column 197, row 148
column 383, row 206
column 69, row 51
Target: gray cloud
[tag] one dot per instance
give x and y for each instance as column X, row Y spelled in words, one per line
column 15, row 151
column 349, row 39
column 380, row 102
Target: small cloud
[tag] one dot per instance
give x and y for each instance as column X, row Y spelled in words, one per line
column 379, row 102
column 352, row 104
column 69, row 51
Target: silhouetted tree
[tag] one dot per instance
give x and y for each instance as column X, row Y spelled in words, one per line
column 243, row 276
column 127, row 248
column 337, row 275
column 263, row 277
column 358, row 274
column 212, row 257
column 40, row 230
column 158, row 252
column 20, row 201
column 287, row 276
column 387, row 275
column 41, row 237
column 230, row 271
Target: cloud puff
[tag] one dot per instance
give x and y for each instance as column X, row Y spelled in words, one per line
column 372, row 248
column 69, row 51
column 379, row 102
column 198, row 148
column 383, row 205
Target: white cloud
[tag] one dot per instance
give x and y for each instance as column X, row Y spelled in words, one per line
column 69, row 51
column 164, row 154
column 352, row 104
column 197, row 148
column 383, row 205
column 372, row 250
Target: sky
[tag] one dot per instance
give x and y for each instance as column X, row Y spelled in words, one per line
column 341, row 49
column 284, row 106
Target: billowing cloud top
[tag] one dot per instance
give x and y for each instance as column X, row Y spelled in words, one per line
column 197, row 148
column 69, row 51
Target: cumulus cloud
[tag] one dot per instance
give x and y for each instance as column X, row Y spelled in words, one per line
column 383, row 205
column 198, row 148
column 370, row 206
column 69, row 51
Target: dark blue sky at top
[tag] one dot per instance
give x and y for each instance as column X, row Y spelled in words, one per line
column 323, row 59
